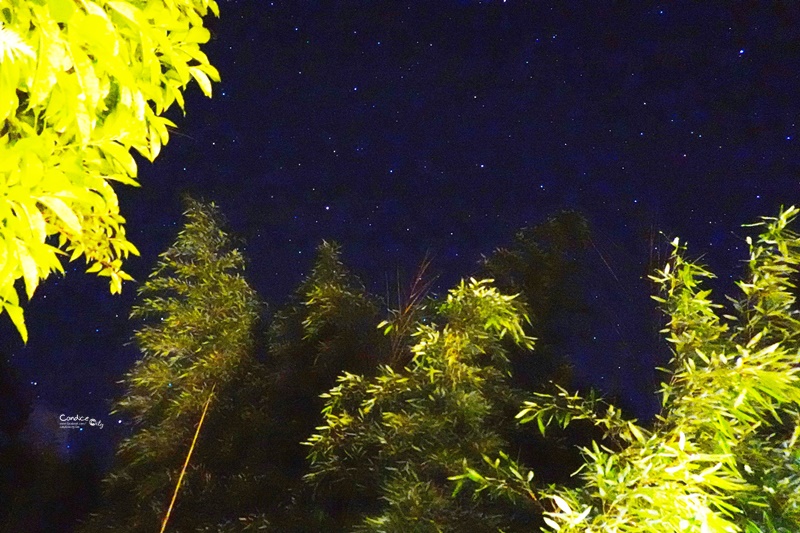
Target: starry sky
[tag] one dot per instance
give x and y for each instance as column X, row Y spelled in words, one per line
column 402, row 128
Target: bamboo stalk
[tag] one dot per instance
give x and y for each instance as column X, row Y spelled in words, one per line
column 186, row 463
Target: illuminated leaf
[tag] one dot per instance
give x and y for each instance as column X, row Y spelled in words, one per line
column 64, row 212
column 61, row 10
column 121, row 155
column 89, row 76
column 202, row 80
column 15, row 313
column 29, row 270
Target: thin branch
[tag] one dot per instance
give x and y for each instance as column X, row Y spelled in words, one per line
column 186, row 463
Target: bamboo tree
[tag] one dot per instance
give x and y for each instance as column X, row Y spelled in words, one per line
column 723, row 455
column 388, row 443
column 546, row 265
column 327, row 328
column 197, row 316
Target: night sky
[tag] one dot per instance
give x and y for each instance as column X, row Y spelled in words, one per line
column 439, row 126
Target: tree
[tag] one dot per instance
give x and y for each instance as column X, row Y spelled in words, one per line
column 327, row 329
column 81, row 83
column 390, row 442
column 330, row 324
column 548, row 267
column 723, row 454
column 198, row 314
column 543, row 266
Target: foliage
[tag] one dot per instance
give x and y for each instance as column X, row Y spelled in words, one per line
column 332, row 316
column 390, row 442
column 412, row 305
column 546, row 266
column 328, row 328
column 549, row 266
column 256, row 523
column 81, row 83
column 198, row 315
column 540, row 258
column 723, row 455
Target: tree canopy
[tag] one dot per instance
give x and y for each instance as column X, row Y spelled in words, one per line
column 398, row 436
column 723, row 455
column 81, row 83
column 427, row 440
column 197, row 317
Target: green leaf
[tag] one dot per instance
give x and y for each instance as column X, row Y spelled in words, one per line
column 17, row 317
column 541, row 425
column 475, row 476
column 30, row 271
column 202, row 80
column 126, row 10
column 211, row 70
column 121, row 155
column 61, row 10
column 198, row 34
column 63, row 211
column 551, row 523
column 562, row 504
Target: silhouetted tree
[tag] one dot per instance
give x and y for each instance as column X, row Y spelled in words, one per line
column 546, row 265
column 328, row 328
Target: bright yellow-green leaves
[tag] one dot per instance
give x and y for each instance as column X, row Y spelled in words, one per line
column 478, row 303
column 81, row 83
column 404, row 428
column 723, row 455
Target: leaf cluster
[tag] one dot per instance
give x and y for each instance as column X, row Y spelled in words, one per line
column 402, row 433
column 81, row 84
column 197, row 314
column 722, row 455
column 547, row 265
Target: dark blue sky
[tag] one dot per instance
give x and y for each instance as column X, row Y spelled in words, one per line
column 399, row 128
